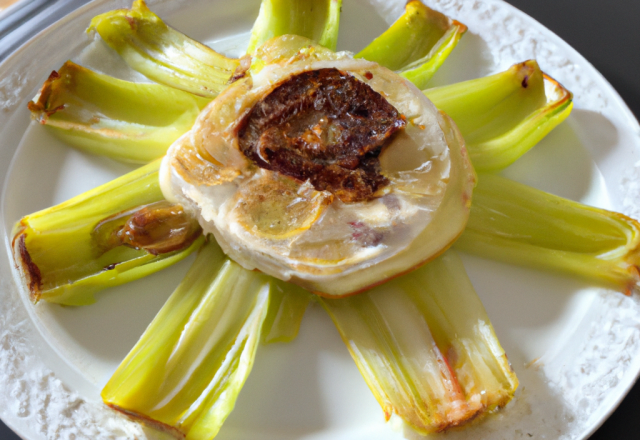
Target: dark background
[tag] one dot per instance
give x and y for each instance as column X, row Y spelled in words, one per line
column 607, row 34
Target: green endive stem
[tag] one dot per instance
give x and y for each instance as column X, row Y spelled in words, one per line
column 317, row 20
column 514, row 223
column 186, row 371
column 287, row 304
column 426, row 348
column 503, row 116
column 421, row 71
column 68, row 252
column 163, row 54
column 132, row 122
column 417, row 44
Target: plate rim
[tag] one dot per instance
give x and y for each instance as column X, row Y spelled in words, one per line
column 593, row 72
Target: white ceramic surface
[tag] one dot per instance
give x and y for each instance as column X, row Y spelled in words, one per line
column 575, row 348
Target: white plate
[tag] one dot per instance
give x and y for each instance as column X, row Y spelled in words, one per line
column 585, row 341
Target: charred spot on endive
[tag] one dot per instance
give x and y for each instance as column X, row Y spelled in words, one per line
column 30, row 271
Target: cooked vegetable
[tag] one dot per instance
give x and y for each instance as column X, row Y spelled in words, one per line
column 100, row 239
column 287, row 304
column 514, row 223
column 186, row 371
column 422, row 341
column 502, row 116
column 417, row 44
column 302, row 189
column 317, row 20
column 163, row 54
column 132, row 122
column 425, row 346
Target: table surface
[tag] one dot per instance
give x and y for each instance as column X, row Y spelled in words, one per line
column 605, row 33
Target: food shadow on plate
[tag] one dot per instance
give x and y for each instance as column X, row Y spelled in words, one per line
column 530, row 319
column 108, row 329
column 29, row 185
column 471, row 59
column 353, row 36
column 564, row 162
column 304, row 387
column 535, row 324
column 45, row 172
column 231, row 18
column 597, row 133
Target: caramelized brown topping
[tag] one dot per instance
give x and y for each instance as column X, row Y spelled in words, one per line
column 324, row 126
column 158, row 228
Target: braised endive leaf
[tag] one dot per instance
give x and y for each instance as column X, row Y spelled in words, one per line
column 287, row 304
column 161, row 53
column 65, row 257
column 417, row 44
column 514, row 223
column 503, row 116
column 186, row 371
column 420, row 72
column 317, row 20
column 132, row 122
column 425, row 346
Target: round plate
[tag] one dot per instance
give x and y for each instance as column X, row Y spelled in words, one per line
column 574, row 347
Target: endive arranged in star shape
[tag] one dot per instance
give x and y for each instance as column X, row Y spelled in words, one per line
column 422, row 341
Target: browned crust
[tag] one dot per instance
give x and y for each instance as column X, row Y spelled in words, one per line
column 26, row 266
column 323, row 126
column 148, row 421
column 41, row 106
